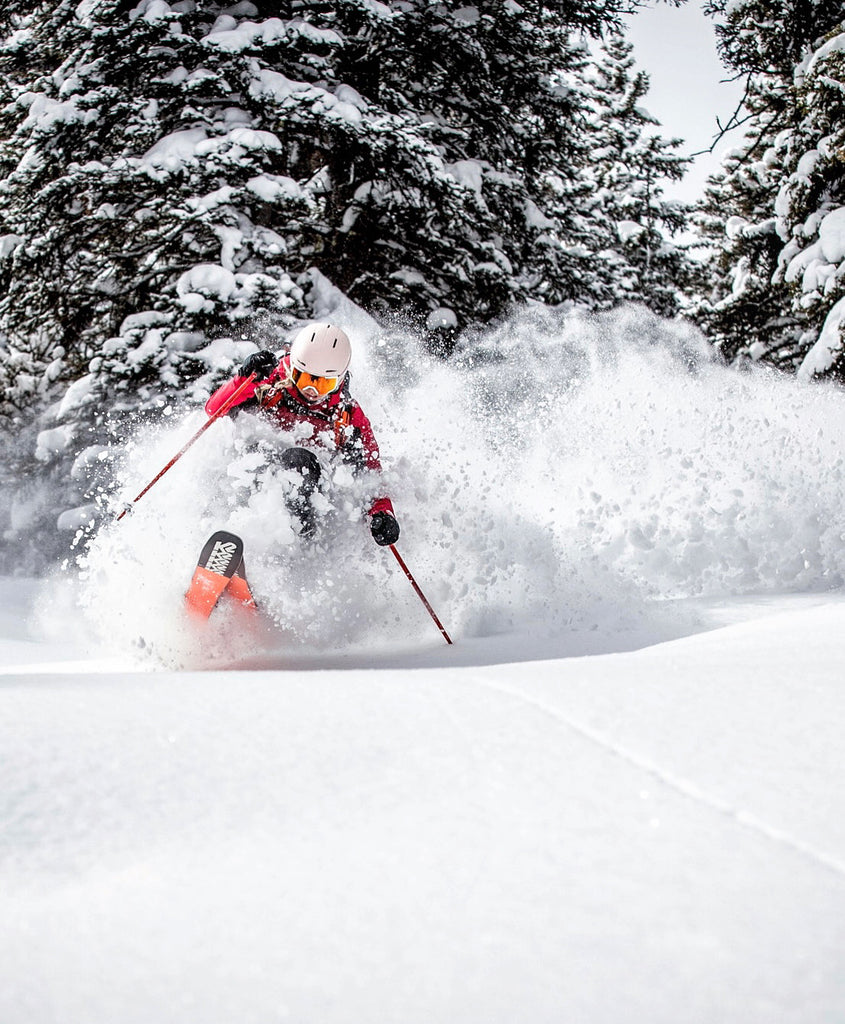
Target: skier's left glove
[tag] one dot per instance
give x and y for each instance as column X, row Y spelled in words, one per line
column 261, row 364
column 384, row 528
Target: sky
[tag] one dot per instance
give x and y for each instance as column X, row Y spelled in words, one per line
column 677, row 47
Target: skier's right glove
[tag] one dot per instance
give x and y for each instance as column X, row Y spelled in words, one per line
column 261, row 364
column 384, row 528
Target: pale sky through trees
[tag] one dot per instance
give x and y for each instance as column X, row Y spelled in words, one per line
column 677, row 47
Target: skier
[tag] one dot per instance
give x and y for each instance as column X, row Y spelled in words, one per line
column 309, row 387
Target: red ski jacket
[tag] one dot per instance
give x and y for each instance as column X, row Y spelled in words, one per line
column 338, row 423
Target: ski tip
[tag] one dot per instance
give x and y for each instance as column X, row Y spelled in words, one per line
column 222, row 553
column 220, row 561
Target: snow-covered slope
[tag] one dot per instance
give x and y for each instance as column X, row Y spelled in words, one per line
column 617, row 797
column 651, row 836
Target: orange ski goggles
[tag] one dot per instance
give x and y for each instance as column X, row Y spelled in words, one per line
column 322, row 385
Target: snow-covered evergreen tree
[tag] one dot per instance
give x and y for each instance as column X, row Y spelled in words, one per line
column 743, row 311
column 167, row 184
column 759, row 214
column 597, row 229
column 176, row 174
column 625, row 222
column 490, row 85
column 139, row 218
column 810, row 211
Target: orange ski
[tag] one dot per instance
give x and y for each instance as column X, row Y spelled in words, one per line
column 239, row 589
column 220, row 559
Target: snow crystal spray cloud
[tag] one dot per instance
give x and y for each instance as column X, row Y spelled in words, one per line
column 558, row 477
column 578, row 467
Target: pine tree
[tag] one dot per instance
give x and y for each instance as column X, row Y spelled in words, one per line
column 810, row 210
column 631, row 224
column 487, row 84
column 604, row 229
column 748, row 301
column 139, row 214
column 175, row 174
column 139, row 166
column 740, row 307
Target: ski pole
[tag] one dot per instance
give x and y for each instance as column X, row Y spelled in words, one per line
column 420, row 594
column 224, row 408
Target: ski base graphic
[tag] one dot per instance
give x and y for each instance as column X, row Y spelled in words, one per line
column 220, row 568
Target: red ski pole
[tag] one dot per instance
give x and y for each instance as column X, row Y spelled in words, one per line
column 224, row 408
column 420, row 594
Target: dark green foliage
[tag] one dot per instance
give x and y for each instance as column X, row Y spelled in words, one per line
column 768, row 290
column 176, row 176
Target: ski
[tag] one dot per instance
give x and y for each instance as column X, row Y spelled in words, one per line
column 219, row 561
column 239, row 589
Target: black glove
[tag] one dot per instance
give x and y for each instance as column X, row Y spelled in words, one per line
column 384, row 528
column 261, row 364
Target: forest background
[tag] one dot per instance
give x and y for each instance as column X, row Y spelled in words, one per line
column 184, row 181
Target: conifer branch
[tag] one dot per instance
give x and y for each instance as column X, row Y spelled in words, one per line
column 734, row 121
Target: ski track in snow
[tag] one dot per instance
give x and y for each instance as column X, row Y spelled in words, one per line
column 448, row 784
column 667, row 778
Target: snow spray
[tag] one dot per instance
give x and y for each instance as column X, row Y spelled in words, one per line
column 565, row 474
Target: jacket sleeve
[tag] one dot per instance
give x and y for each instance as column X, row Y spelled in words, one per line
column 224, row 393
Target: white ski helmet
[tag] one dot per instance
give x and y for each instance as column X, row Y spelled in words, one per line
column 319, row 358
